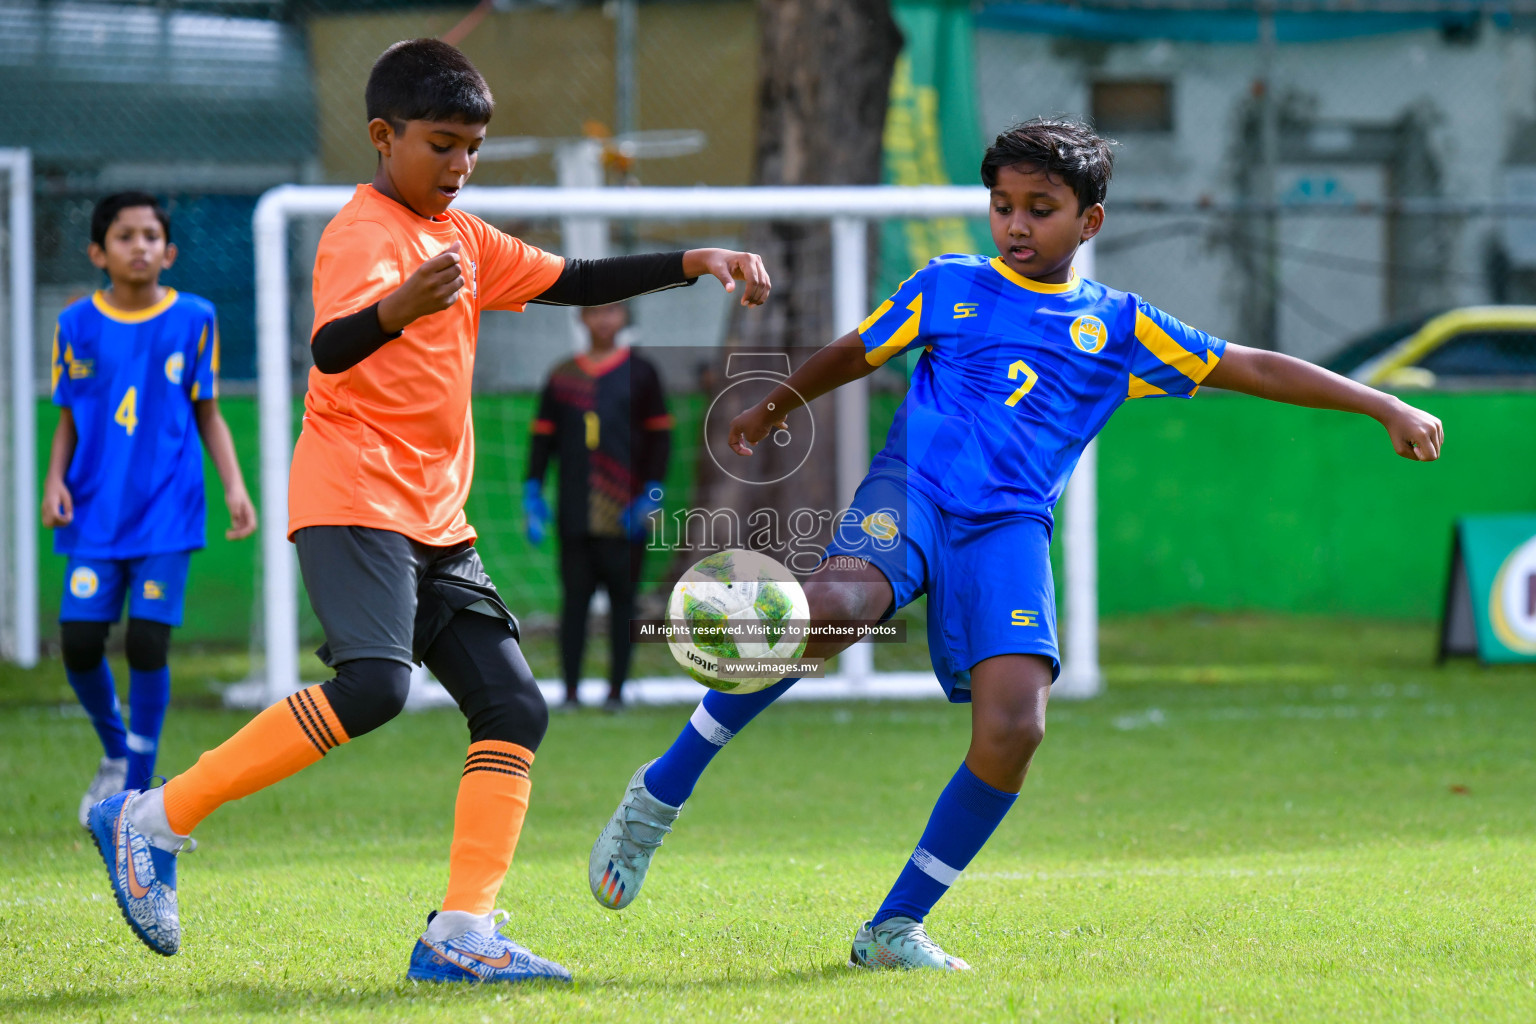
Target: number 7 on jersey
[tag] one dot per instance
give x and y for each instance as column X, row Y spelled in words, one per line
column 1030, row 376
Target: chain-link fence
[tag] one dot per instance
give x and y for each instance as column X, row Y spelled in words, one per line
column 1315, row 180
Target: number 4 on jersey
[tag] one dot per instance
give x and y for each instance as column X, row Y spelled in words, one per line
column 127, row 415
column 1018, row 367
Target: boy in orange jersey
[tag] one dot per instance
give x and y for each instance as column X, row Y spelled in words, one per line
column 380, row 475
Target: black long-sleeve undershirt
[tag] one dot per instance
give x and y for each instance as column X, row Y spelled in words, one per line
column 347, row 341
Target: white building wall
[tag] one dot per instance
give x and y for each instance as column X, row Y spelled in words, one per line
column 1473, row 96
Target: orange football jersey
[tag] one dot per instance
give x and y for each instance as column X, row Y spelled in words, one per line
column 389, row 443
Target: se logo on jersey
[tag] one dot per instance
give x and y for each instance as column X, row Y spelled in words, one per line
column 1025, row 617
column 880, row 524
column 83, row 582
column 964, row 310
column 1089, row 334
column 174, row 364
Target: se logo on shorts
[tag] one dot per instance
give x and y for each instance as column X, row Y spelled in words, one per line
column 83, row 582
column 154, row 590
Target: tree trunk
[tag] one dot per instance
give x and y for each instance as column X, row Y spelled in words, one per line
column 824, row 81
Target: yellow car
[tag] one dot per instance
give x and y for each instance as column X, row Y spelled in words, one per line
column 1472, row 346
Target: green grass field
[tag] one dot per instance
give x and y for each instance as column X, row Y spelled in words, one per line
column 1265, row 819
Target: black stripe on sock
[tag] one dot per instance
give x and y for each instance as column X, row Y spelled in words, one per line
column 309, row 698
column 293, row 707
column 499, row 771
column 314, row 724
column 496, row 759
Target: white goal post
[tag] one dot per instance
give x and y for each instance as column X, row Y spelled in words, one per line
column 849, row 211
column 19, row 602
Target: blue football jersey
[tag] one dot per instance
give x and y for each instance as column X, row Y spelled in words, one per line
column 1017, row 377
column 130, row 379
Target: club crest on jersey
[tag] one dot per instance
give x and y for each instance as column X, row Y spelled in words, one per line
column 154, row 590
column 174, row 364
column 1089, row 333
column 83, row 582
column 880, row 524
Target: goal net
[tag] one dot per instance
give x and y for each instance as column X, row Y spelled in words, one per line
column 827, row 278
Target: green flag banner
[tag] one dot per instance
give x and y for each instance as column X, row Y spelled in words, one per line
column 932, row 136
column 1490, row 606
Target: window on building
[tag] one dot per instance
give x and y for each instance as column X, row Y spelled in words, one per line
column 1138, row 106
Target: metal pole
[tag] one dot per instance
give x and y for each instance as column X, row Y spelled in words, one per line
column 626, row 30
column 23, row 409
column 1081, row 676
column 280, row 603
column 850, row 304
column 1269, row 155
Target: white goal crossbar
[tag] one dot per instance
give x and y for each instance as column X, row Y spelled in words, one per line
column 848, row 209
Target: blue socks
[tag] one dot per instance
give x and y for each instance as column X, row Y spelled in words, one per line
column 718, row 717
column 149, row 694
column 963, row 820
column 98, row 695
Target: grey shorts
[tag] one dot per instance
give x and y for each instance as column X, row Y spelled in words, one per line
column 380, row 594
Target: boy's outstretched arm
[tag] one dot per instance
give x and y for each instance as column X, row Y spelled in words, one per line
column 221, row 449
column 837, row 364
column 1280, row 378
column 58, row 503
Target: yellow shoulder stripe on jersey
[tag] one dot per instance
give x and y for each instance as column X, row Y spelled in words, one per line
column 874, row 318
column 58, row 366
column 903, row 336
column 137, row 316
column 1139, row 388
column 1158, row 342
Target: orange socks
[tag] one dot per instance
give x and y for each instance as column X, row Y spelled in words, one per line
column 487, row 819
column 289, row 735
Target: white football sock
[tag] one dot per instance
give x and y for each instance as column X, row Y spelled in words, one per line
column 448, row 925
column 146, row 812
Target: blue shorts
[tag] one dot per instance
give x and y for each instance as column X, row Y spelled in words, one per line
column 988, row 581
column 156, row 586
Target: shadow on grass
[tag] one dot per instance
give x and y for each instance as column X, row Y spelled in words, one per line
column 246, row 998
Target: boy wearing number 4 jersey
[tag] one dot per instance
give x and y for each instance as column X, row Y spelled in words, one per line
column 135, row 376
column 376, row 509
column 1023, row 362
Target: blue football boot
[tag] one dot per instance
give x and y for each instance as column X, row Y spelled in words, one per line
column 482, row 953
column 143, row 876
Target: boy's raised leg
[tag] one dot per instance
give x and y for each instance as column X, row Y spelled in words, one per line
column 849, row 591
column 139, row 833
column 1008, row 696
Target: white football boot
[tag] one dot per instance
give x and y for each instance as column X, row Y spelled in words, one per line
column 623, row 851
column 900, row 943
column 111, row 777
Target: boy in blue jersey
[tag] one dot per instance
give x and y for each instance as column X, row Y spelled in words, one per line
column 1023, row 363
column 135, row 376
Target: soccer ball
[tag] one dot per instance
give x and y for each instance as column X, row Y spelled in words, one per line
column 736, row 604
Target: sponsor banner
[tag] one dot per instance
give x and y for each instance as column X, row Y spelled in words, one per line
column 1490, row 607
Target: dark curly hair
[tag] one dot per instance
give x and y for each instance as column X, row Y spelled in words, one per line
column 1064, row 149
